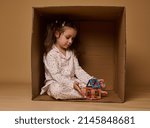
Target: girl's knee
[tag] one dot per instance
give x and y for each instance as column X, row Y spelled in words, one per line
column 55, row 90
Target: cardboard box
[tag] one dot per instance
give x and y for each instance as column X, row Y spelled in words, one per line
column 102, row 45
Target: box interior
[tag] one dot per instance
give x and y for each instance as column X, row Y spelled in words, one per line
column 101, row 46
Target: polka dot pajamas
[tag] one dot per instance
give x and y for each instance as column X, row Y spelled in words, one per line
column 60, row 74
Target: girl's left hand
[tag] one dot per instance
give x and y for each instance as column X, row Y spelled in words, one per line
column 102, row 83
column 101, row 80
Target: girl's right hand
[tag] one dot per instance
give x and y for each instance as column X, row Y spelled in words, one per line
column 76, row 87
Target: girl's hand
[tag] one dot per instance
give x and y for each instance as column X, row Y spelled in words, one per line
column 76, row 87
column 101, row 80
column 102, row 83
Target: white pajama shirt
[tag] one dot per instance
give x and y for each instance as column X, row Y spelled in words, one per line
column 61, row 72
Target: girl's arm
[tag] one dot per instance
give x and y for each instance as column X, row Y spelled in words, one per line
column 80, row 73
column 52, row 67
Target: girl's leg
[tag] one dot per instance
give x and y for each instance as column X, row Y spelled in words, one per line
column 59, row 91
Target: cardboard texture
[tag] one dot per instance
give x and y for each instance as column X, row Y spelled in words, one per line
column 102, row 46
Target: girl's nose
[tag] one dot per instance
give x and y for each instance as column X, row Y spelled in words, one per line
column 70, row 41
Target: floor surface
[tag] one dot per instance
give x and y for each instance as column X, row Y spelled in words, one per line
column 18, row 97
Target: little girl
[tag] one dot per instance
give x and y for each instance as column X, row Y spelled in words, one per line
column 65, row 79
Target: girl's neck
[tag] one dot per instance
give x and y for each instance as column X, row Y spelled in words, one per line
column 62, row 50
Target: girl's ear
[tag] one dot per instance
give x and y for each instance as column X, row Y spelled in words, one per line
column 57, row 34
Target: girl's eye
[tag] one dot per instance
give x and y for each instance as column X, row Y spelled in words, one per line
column 67, row 37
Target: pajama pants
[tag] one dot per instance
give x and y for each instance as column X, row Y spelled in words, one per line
column 59, row 91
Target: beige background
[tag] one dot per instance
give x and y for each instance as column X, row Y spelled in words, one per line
column 16, row 30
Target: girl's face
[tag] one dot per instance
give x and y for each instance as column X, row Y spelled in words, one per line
column 65, row 39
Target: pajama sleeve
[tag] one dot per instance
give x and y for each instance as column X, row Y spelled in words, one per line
column 52, row 65
column 80, row 73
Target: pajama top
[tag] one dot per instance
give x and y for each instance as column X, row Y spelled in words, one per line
column 64, row 70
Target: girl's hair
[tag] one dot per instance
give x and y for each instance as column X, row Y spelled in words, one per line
column 57, row 25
